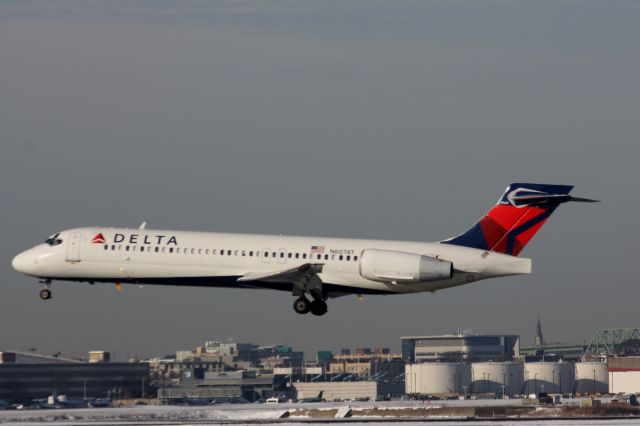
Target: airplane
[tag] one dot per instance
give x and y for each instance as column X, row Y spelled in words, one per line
column 318, row 398
column 318, row 267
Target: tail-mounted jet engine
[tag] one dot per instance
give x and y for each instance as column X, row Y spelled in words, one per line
column 389, row 266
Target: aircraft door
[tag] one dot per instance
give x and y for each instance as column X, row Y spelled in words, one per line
column 73, row 248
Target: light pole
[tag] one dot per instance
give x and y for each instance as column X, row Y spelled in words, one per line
column 535, row 383
column 504, row 382
column 594, row 382
column 489, row 380
column 465, row 391
column 560, row 380
column 553, row 379
column 55, row 375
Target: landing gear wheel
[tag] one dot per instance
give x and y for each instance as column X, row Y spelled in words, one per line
column 318, row 307
column 301, row 305
column 45, row 294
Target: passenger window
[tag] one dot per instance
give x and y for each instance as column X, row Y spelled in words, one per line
column 289, row 255
column 326, row 257
column 134, row 248
column 171, row 250
column 221, row 252
column 157, row 249
column 355, row 257
column 297, row 255
column 319, row 256
column 228, row 252
column 193, row 251
column 348, row 257
column 106, row 247
column 127, row 248
column 304, row 255
column 281, row 255
column 273, row 254
column 199, row 251
column 235, row 253
column 113, row 247
column 251, row 253
column 340, row 257
column 164, row 249
column 244, row 253
column 206, row 251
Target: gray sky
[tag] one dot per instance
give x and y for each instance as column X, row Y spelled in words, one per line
column 370, row 119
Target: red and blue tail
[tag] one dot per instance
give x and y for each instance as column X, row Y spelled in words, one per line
column 519, row 214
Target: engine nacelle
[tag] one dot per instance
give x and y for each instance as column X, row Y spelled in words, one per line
column 389, row 266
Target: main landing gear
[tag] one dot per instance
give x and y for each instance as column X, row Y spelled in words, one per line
column 317, row 306
column 45, row 294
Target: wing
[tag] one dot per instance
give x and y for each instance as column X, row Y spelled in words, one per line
column 304, row 277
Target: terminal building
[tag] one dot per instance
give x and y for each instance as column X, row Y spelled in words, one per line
column 460, row 347
column 26, row 376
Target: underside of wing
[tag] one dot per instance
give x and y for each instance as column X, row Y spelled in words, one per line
column 299, row 273
column 304, row 278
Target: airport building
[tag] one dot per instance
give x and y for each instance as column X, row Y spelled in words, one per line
column 624, row 375
column 25, row 377
column 197, row 384
column 460, row 347
column 347, row 391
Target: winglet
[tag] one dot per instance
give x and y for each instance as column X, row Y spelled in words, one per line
column 143, row 225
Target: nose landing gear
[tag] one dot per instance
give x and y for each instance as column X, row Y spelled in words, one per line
column 45, row 294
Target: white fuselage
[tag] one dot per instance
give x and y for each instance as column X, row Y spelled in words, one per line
column 220, row 259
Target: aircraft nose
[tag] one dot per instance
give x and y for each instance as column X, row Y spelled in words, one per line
column 23, row 262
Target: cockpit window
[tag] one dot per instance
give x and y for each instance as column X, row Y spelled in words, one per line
column 53, row 240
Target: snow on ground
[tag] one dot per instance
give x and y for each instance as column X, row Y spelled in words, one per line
column 262, row 413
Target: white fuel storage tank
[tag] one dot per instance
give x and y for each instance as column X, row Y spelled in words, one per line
column 498, row 378
column 551, row 377
column 592, row 377
column 437, row 378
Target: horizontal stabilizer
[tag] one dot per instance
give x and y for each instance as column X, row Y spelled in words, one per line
column 546, row 199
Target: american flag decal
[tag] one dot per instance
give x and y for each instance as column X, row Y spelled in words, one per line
column 317, row 249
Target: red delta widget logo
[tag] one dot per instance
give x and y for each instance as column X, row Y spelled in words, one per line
column 98, row 239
